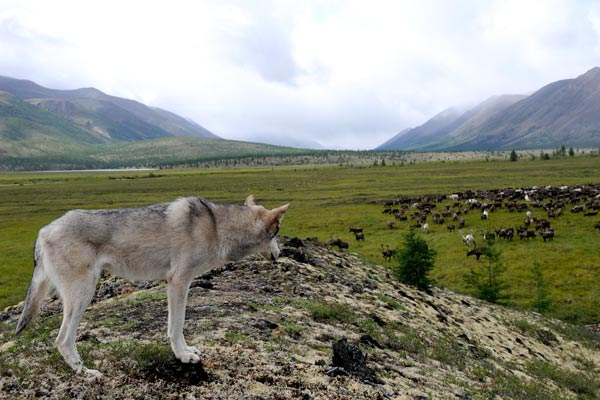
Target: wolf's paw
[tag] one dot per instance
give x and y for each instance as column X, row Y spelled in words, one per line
column 92, row 373
column 189, row 357
column 192, row 349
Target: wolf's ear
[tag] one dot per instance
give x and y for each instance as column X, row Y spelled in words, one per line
column 250, row 201
column 276, row 215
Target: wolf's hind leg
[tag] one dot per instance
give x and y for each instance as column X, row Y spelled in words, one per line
column 76, row 296
column 177, row 291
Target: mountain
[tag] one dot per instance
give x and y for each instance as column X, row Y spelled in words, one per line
column 430, row 132
column 81, row 116
column 394, row 139
column 315, row 324
column 565, row 112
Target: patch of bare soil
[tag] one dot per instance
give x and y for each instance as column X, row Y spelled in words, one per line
column 315, row 324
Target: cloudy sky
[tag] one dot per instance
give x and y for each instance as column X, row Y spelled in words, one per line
column 347, row 74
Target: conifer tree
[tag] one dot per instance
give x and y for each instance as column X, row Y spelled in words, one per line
column 415, row 261
column 485, row 280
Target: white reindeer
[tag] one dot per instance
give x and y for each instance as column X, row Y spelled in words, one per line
column 468, row 239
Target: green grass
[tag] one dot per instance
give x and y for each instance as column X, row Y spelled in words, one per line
column 584, row 384
column 325, row 202
column 145, row 297
column 328, row 311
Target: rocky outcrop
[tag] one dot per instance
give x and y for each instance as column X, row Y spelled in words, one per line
column 315, row 324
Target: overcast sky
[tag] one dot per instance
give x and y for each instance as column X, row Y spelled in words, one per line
column 347, row 74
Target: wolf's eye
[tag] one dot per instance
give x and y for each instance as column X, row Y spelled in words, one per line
column 274, row 233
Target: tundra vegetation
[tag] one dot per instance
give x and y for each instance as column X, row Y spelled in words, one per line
column 327, row 200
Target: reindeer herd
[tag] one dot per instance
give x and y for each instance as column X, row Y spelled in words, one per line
column 539, row 206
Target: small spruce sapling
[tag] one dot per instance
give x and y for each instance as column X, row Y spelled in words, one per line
column 415, row 261
column 542, row 301
column 486, row 279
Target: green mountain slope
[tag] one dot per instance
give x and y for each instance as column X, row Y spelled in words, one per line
column 26, row 130
column 112, row 118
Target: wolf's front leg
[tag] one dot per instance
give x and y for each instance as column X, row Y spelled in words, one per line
column 177, row 292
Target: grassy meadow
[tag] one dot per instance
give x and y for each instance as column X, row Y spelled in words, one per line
column 325, row 202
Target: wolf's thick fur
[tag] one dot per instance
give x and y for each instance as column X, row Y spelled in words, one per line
column 174, row 241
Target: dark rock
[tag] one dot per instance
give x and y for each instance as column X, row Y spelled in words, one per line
column 87, row 337
column 202, row 283
column 370, row 341
column 348, row 359
column 546, row 337
column 357, row 288
column 520, row 341
column 464, row 338
column 406, row 295
column 377, row 319
column 294, row 242
column 295, row 254
column 176, row 372
column 442, row 318
column 265, row 324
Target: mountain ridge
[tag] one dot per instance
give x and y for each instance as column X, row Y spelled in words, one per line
column 564, row 112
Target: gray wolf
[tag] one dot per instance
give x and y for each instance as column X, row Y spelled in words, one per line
column 174, row 241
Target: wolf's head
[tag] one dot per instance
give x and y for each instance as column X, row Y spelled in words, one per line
column 269, row 221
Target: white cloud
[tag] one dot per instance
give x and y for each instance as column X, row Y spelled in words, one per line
column 344, row 73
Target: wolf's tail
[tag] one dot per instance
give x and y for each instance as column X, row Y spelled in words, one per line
column 38, row 289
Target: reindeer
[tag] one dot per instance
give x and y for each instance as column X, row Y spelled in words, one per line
column 484, row 215
column 548, row 234
column 339, row 243
column 476, row 251
column 388, row 253
column 527, row 234
column 425, row 227
column 468, row 239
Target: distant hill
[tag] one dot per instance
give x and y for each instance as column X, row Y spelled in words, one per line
column 565, row 112
column 35, row 119
column 297, row 141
